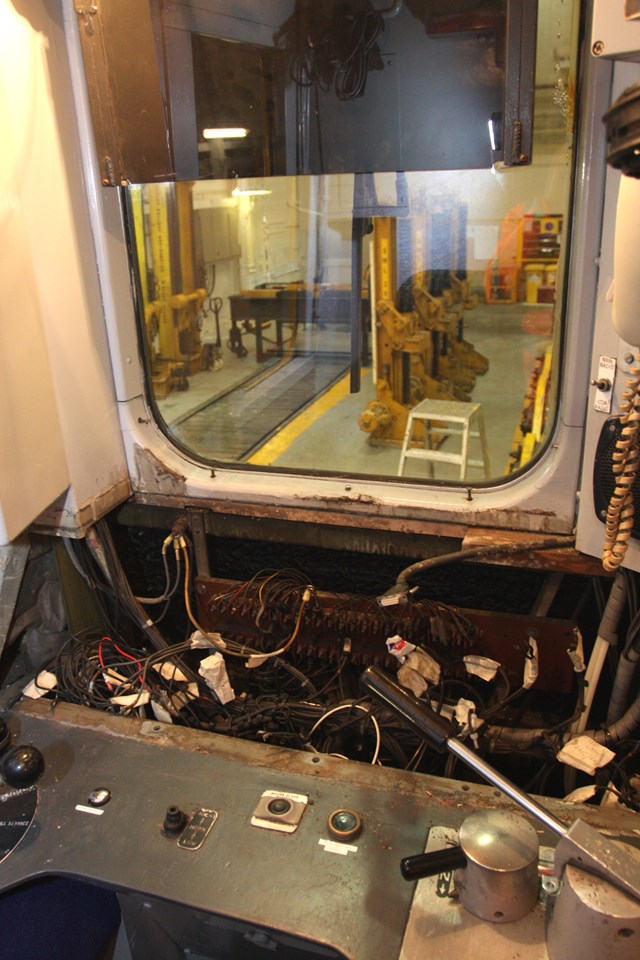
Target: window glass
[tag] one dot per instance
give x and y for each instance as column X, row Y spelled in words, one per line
column 379, row 318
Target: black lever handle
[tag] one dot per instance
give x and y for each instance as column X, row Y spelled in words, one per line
column 429, row 723
column 429, row 864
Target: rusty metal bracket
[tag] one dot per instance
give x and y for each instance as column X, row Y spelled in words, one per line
column 198, row 526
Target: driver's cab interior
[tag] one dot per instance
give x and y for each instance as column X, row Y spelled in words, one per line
column 319, row 597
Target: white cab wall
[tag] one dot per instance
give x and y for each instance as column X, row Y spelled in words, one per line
column 59, row 433
column 607, row 343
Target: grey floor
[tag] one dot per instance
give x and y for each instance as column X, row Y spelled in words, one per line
column 510, row 336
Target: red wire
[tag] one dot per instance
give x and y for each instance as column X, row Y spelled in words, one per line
column 100, row 658
column 124, row 654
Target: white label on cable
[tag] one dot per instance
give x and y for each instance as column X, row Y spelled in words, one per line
column 585, row 754
column 96, row 811
column 530, row 664
column 581, row 794
column 199, row 641
column 425, row 665
column 482, row 667
column 412, row 680
column 214, row 671
column 170, row 671
column 576, row 654
column 132, row 699
column 332, row 846
column 37, row 688
column 464, row 710
column 160, row 712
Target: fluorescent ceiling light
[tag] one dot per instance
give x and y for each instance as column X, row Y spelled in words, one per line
column 224, row 133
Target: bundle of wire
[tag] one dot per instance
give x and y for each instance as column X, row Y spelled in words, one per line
column 334, row 51
column 285, row 693
column 109, row 675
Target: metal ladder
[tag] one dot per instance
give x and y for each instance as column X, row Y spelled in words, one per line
column 442, row 419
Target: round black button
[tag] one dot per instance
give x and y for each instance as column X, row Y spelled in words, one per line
column 22, row 766
column 279, row 806
column 344, row 824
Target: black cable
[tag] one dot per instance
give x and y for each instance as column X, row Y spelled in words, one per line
column 488, row 550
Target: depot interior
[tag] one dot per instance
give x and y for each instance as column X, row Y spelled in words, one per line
column 354, row 279
column 246, row 275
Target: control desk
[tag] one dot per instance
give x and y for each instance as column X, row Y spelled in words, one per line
column 220, row 848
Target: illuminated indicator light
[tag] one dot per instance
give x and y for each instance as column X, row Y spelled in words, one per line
column 224, row 133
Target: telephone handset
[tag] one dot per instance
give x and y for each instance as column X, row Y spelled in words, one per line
column 626, row 262
column 623, row 136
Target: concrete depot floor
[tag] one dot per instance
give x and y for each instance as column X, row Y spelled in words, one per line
column 324, row 434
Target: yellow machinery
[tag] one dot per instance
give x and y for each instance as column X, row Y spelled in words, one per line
column 171, row 299
column 419, row 353
column 530, row 430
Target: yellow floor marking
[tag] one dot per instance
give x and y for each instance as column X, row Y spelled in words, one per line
column 282, row 440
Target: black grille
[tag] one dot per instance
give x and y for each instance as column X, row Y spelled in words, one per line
column 603, row 477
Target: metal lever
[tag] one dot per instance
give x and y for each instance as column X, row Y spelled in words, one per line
column 579, row 844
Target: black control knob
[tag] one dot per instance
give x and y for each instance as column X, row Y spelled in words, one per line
column 175, row 820
column 429, row 864
column 22, row 766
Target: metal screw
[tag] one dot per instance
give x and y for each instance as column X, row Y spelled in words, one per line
column 201, row 588
column 550, row 885
column 598, row 48
column 628, row 358
column 603, row 514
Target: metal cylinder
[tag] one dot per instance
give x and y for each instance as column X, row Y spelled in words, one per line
column 500, row 880
column 592, row 920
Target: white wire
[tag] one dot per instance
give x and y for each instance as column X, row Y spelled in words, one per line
column 351, row 706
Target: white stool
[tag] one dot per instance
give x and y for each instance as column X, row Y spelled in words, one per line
column 441, row 419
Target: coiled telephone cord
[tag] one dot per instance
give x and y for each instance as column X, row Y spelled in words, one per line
column 626, row 459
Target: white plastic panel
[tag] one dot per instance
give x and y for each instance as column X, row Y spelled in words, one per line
column 61, row 445
column 34, row 467
column 607, row 342
column 615, row 32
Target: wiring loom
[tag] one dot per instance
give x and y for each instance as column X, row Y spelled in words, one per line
column 293, row 655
